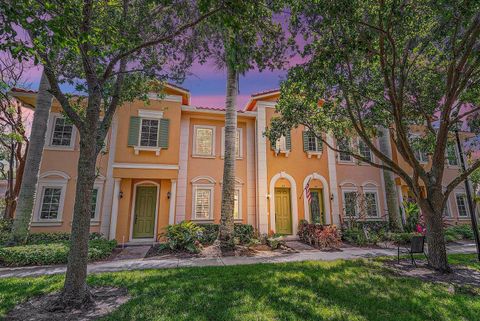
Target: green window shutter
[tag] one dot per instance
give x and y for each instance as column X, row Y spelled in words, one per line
column 133, row 131
column 319, row 145
column 305, row 141
column 288, row 141
column 163, row 133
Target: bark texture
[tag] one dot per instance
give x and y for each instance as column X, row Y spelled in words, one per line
column 393, row 206
column 26, row 198
column 228, row 186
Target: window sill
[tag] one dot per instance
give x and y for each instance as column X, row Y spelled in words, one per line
column 286, row 152
column 341, row 162
column 137, row 150
column 204, row 156
column 60, row 148
column 94, row 223
column 237, row 158
column 200, row 221
column 311, row 153
column 47, row 223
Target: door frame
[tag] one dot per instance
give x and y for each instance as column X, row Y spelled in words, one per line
column 320, row 201
column 293, row 200
column 326, row 198
column 290, row 207
column 132, row 214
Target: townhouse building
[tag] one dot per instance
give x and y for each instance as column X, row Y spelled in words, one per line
column 162, row 163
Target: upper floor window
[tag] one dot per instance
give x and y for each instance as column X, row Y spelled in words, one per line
column 462, row 205
column 281, row 144
column 62, row 133
column 343, row 144
column 452, row 155
column 364, row 150
column 311, row 144
column 204, row 141
column 149, row 132
column 238, row 143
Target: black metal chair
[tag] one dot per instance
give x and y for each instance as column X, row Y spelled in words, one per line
column 417, row 246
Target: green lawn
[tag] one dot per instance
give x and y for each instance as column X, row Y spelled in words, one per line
column 341, row 290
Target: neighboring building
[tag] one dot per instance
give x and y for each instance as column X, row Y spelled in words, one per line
column 162, row 164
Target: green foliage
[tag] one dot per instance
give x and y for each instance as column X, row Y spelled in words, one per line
column 364, row 232
column 458, row 232
column 412, row 213
column 243, row 233
column 400, row 238
column 5, row 228
column 52, row 253
column 275, row 242
column 321, row 236
column 55, row 237
column 210, row 233
column 185, row 236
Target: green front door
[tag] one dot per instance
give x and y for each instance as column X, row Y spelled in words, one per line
column 283, row 211
column 144, row 216
column 316, row 206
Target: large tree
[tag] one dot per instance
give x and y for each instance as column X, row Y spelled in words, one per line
column 110, row 52
column 243, row 37
column 412, row 67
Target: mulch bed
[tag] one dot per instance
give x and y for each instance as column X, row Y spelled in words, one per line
column 106, row 300
column 460, row 278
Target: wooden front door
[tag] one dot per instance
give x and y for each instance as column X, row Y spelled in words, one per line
column 316, row 206
column 283, row 211
column 145, row 206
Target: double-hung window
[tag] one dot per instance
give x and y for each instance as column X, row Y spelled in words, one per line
column 62, row 133
column 238, row 143
column 93, row 204
column 204, row 144
column 149, row 132
column 343, row 144
column 311, row 144
column 350, row 203
column 452, row 155
column 237, row 205
column 50, row 206
column 371, row 203
column 462, row 205
column 364, row 150
column 203, row 203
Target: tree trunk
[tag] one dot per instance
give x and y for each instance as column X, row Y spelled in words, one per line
column 393, row 207
column 228, row 186
column 433, row 215
column 20, row 160
column 75, row 292
column 26, row 198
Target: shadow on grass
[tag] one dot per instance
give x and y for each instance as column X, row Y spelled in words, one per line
column 341, row 290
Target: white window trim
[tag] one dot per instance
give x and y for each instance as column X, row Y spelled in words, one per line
column 346, row 162
column 142, row 115
column 282, row 150
column 457, row 155
column 466, row 205
column 194, row 142
column 98, row 205
column 240, row 142
column 42, row 185
column 349, row 190
column 448, row 209
column 311, row 153
column 377, row 202
column 210, row 187
column 50, row 127
column 372, row 156
column 240, row 212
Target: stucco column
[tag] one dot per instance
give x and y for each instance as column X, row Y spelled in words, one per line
column 332, row 173
column 262, row 170
column 173, row 195
column 116, row 199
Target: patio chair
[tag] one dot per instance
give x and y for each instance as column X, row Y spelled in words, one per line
column 417, row 246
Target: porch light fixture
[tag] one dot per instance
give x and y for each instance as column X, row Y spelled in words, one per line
column 169, row 194
column 120, row 194
column 331, row 197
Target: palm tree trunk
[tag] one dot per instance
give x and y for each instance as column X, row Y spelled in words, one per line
column 26, row 198
column 228, row 186
column 393, row 207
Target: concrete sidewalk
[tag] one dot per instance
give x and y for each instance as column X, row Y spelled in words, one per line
column 346, row 253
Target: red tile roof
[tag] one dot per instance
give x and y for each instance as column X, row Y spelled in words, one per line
column 216, row 108
column 269, row 91
column 22, row 90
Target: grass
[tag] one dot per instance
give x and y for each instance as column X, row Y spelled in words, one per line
column 340, row 290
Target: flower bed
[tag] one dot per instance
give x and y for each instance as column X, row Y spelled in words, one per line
column 319, row 236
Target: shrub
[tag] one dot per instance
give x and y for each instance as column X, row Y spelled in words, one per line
column 458, row 232
column 275, row 242
column 242, row 232
column 5, row 228
column 55, row 237
column 401, row 238
column 185, row 236
column 53, row 253
column 321, row 236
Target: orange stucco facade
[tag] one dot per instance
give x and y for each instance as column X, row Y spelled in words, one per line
column 163, row 163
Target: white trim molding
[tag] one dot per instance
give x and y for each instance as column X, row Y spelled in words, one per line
column 326, row 197
column 194, row 142
column 211, row 188
column 332, row 173
column 114, row 214
column 173, row 196
column 150, row 114
column 46, row 174
column 203, row 178
column 183, row 170
column 293, row 197
column 262, row 188
column 43, row 183
column 49, row 135
column 145, row 166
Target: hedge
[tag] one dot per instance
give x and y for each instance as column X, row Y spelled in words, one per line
column 55, row 237
column 53, row 253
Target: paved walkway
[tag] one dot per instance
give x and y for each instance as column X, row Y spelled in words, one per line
column 346, row 253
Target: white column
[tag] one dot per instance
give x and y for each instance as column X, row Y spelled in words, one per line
column 332, row 172
column 250, row 154
column 182, row 171
column 173, row 195
column 262, row 170
column 114, row 215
